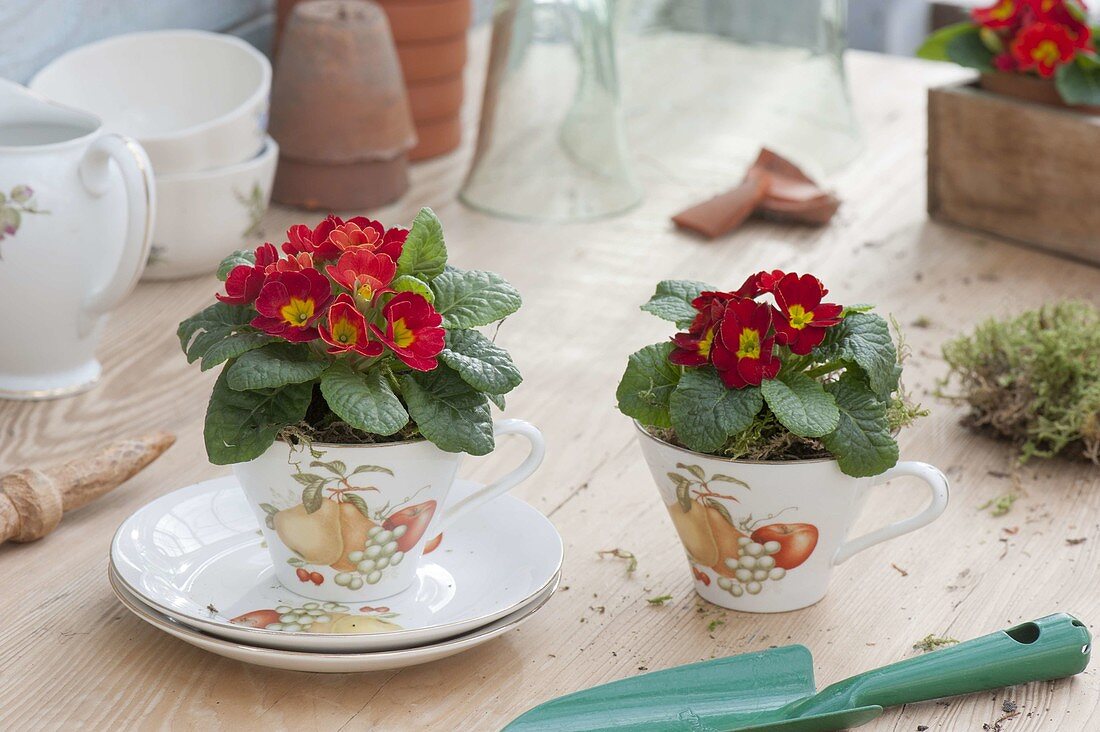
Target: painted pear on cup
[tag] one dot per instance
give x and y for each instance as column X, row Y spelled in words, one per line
column 694, row 529
column 317, row 536
column 353, row 530
column 726, row 538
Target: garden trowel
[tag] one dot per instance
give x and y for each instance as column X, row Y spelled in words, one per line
column 774, row 689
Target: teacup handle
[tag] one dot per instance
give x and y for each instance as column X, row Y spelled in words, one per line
column 140, row 187
column 936, row 481
column 506, row 483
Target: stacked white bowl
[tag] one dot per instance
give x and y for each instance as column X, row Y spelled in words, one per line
column 197, row 102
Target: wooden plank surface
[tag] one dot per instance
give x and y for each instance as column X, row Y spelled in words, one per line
column 71, row 657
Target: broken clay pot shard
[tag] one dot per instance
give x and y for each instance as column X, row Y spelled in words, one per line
column 726, row 211
column 33, row 500
column 793, row 196
column 815, row 212
column 773, row 188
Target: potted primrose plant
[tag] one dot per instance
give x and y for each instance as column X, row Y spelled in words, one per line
column 763, row 422
column 352, row 379
column 1039, row 50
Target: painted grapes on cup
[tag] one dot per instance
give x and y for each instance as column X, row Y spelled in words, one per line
column 743, row 553
column 334, row 525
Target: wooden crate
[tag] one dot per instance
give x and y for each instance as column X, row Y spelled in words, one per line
column 1016, row 169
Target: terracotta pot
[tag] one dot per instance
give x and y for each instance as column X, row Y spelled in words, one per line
column 416, row 20
column 1029, row 88
column 339, row 108
column 436, row 138
column 427, row 20
column 283, row 8
column 335, row 187
column 434, row 100
column 432, row 59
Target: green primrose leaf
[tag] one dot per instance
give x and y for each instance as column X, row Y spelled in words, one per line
column 234, row 346
column 1088, row 60
column 481, row 363
column 672, row 301
column 864, row 338
column 861, row 442
column 364, row 400
column 449, row 412
column 408, row 283
column 469, row 298
column 801, row 404
column 647, row 386
column 239, row 257
column 934, row 47
column 705, row 412
column 203, row 334
column 424, row 254
column 273, row 366
column 1079, row 83
column 857, row 308
column 968, row 49
column 241, row 425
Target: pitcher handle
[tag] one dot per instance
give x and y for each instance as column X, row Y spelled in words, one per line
column 137, row 178
column 937, row 483
column 510, row 480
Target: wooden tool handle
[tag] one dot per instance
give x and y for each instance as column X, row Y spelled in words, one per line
column 33, row 501
column 83, row 480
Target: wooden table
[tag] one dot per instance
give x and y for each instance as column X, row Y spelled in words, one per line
column 71, row 656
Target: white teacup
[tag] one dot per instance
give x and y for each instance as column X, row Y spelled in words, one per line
column 232, row 200
column 76, row 221
column 349, row 523
column 195, row 100
column 764, row 536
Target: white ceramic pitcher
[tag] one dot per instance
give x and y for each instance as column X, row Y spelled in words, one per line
column 75, row 231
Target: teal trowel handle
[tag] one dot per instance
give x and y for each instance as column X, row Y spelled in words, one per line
column 1048, row 648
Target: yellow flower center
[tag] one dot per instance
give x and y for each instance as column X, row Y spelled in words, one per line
column 297, row 312
column 749, row 344
column 798, row 317
column 344, row 332
column 1046, row 53
column 705, row 343
column 1004, row 10
column 402, row 336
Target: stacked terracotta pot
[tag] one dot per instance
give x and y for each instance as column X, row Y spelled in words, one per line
column 431, row 45
column 339, row 109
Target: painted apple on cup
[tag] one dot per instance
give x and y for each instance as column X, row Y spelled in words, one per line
column 796, row 541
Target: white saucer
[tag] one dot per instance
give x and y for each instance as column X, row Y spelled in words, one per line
column 196, row 555
column 329, row 662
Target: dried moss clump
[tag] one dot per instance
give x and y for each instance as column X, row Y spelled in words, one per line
column 1034, row 379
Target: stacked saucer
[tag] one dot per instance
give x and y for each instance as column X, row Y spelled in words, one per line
column 193, row 564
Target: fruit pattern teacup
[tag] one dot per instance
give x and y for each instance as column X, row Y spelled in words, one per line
column 350, row 523
column 765, row 536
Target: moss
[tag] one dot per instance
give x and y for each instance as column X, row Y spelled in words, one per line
column 1033, row 379
column 1000, row 505
column 931, row 643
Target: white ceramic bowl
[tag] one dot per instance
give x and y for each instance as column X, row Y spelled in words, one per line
column 203, row 217
column 194, row 100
